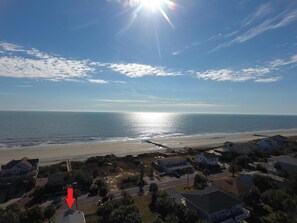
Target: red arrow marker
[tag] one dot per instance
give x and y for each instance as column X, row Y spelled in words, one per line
column 70, row 200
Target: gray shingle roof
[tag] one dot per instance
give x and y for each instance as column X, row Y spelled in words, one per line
column 70, row 216
column 12, row 163
column 212, row 202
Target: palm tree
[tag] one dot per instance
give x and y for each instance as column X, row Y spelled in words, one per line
column 49, row 212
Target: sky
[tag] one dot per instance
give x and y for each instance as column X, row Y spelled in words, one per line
column 194, row 56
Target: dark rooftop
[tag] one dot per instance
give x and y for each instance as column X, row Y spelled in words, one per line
column 212, row 202
column 210, row 155
column 12, row 163
column 285, row 159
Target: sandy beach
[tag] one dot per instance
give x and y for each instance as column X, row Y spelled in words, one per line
column 56, row 153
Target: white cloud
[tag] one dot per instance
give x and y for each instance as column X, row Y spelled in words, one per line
column 32, row 63
column 97, row 81
column 119, row 82
column 225, row 75
column 268, row 80
column 135, row 70
column 121, row 101
column 10, row 47
column 258, row 74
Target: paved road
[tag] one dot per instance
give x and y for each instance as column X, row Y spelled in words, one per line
column 165, row 183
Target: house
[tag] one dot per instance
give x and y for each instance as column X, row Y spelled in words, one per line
column 273, row 142
column 247, row 177
column 222, row 150
column 228, row 144
column 19, row 167
column 268, row 166
column 216, row 206
column 71, row 216
column 285, row 161
column 268, row 143
column 233, row 186
column 172, row 164
column 280, row 140
column 207, row 159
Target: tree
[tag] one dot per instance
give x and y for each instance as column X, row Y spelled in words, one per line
column 263, row 183
column 34, row 214
column 103, row 191
column 49, row 212
column 164, row 204
column 94, row 190
column 153, row 188
column 252, row 199
column 141, row 172
column 154, row 194
column 9, row 216
column 261, row 168
column 200, row 181
column 123, row 210
column 76, row 195
column 243, row 161
column 114, row 165
column 233, row 168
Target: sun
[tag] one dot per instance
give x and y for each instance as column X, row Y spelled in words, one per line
column 158, row 5
column 151, row 4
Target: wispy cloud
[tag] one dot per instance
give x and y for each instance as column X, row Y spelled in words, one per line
column 262, row 11
column 262, row 21
column 6, row 93
column 134, row 70
column 25, row 86
column 259, row 74
column 97, row 81
column 268, row 80
column 119, row 82
column 121, row 101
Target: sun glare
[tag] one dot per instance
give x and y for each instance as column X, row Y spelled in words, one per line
column 158, row 5
column 151, row 4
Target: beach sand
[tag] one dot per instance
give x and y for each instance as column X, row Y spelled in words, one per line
column 49, row 154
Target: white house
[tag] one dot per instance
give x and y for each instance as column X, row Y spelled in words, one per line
column 207, row 158
column 17, row 167
column 171, row 164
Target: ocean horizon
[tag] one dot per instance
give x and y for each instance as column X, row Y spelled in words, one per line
column 32, row 128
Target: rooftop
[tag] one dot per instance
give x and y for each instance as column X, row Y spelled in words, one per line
column 212, row 202
column 175, row 158
column 210, row 155
column 285, row 159
column 232, row 185
column 70, row 216
column 13, row 163
column 253, row 173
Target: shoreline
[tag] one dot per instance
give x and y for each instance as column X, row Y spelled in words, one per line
column 49, row 154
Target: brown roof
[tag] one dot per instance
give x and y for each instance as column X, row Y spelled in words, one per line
column 232, row 185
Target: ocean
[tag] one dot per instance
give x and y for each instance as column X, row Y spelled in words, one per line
column 23, row 129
